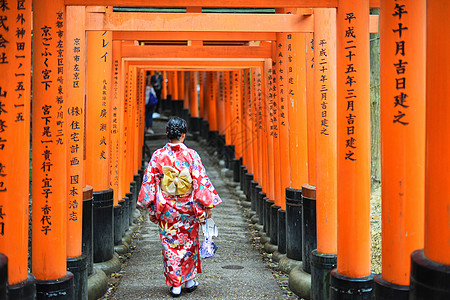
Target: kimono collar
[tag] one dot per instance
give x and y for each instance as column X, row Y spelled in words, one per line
column 176, row 147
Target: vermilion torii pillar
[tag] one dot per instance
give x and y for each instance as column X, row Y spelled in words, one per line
column 268, row 71
column 296, row 73
column 275, row 107
column 237, row 114
column 194, row 102
column 402, row 110
column 99, row 68
column 353, row 152
column 430, row 267
column 49, row 151
column 323, row 259
column 15, row 89
column 75, row 83
column 283, row 125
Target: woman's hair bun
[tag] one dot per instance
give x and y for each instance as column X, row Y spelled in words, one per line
column 175, row 127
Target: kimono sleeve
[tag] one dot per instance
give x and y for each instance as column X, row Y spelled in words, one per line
column 203, row 189
column 150, row 181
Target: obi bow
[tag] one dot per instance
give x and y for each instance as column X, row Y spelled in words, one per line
column 176, row 183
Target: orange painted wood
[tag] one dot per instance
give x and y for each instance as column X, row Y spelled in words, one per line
column 437, row 200
column 212, row 3
column 15, row 115
column 325, row 109
column 262, row 96
column 117, row 122
column 201, row 96
column 131, row 122
column 49, row 220
column 195, row 64
column 228, row 109
column 252, row 127
column 194, row 95
column 164, row 85
column 75, row 84
column 212, row 98
column 255, row 127
column 175, row 95
column 353, row 138
column 124, row 133
column 402, row 111
column 220, row 104
column 99, row 69
column 210, row 22
column 248, row 119
column 310, row 108
column 237, row 107
column 276, row 125
column 283, row 116
column 140, row 107
column 180, row 78
column 268, row 70
column 186, row 90
column 196, row 51
column 192, row 35
column 298, row 141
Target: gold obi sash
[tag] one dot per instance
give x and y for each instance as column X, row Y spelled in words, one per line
column 175, row 183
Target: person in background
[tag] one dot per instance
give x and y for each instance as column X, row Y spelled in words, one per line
column 150, row 103
column 179, row 196
column 157, row 82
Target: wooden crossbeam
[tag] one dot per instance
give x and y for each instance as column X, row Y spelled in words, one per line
column 214, row 3
column 210, row 22
column 195, row 64
column 197, row 51
column 193, row 36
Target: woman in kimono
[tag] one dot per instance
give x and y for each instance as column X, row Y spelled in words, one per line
column 179, row 196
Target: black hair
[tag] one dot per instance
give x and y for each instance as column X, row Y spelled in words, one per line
column 175, row 127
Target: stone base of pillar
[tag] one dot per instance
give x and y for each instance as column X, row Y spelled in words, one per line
column 3, row 276
column 88, row 230
column 103, row 225
column 125, row 214
column 252, row 191
column 270, row 248
column 429, row 280
column 118, row 212
column 235, row 166
column 110, row 266
column 242, row 173
column 267, row 213
column 286, row 264
column 277, row 256
column 25, row 290
column 309, row 238
column 344, row 287
column 294, row 217
column 131, row 208
column 300, row 282
column 274, row 224
column 195, row 124
column 58, row 289
column 389, row 291
column 281, row 231
column 78, row 267
column 248, row 178
column 260, row 205
column 97, row 284
column 321, row 266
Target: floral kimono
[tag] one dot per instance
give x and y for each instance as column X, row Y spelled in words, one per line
column 177, row 191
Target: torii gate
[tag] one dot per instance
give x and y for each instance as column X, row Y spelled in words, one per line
column 48, row 93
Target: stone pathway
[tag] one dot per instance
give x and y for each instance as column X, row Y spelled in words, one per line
column 237, row 271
